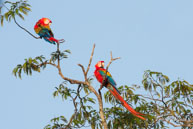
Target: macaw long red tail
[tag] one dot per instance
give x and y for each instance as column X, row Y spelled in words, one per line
column 125, row 104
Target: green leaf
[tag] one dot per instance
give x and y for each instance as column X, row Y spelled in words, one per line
column 19, row 73
column 91, row 100
column 6, row 15
column 55, row 93
column 17, row 11
column 19, row 14
column 27, row 8
column 2, row 18
column 68, row 51
column 1, row 9
column 7, row 2
column 12, row 15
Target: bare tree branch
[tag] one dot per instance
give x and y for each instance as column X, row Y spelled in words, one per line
column 100, row 105
column 83, row 70
column 149, row 98
column 180, row 125
column 5, row 6
column 72, row 81
column 104, row 123
column 90, row 60
column 112, row 59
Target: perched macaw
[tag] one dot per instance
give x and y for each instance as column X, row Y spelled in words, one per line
column 106, row 80
column 42, row 28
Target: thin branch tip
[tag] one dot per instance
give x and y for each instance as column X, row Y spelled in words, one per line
column 90, row 61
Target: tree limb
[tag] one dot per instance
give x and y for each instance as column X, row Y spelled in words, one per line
column 25, row 29
column 112, row 59
column 180, row 125
column 90, row 60
column 72, row 81
column 75, row 106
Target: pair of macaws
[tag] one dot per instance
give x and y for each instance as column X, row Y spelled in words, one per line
column 42, row 28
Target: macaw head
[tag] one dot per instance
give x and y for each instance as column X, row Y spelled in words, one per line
column 100, row 64
column 45, row 21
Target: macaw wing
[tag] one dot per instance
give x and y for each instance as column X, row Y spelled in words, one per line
column 51, row 33
column 46, row 33
column 108, row 77
column 110, row 80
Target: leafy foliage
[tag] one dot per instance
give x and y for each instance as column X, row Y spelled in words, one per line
column 119, row 117
column 163, row 102
column 55, row 123
column 166, row 103
column 172, row 103
column 29, row 66
column 18, row 8
column 60, row 55
column 38, row 62
column 83, row 112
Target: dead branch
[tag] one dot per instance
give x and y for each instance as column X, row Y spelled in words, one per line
column 180, row 125
column 72, row 81
column 83, row 70
column 90, row 60
column 104, row 123
column 112, row 59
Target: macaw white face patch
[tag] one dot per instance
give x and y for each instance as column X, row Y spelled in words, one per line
column 101, row 64
column 47, row 22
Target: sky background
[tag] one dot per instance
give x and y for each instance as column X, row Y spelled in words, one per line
column 146, row 34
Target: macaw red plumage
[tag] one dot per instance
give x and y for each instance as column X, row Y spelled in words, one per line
column 42, row 28
column 106, row 80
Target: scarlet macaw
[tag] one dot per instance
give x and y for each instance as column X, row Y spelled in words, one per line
column 42, row 28
column 106, row 80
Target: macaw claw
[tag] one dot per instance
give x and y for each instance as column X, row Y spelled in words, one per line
column 61, row 41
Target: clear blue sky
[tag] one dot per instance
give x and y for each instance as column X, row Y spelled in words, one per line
column 146, row 34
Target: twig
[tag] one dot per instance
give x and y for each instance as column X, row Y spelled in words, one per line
column 47, row 63
column 99, row 90
column 112, row 59
column 5, row 6
column 58, row 50
column 20, row 25
column 181, row 125
column 90, row 60
column 25, row 29
column 83, row 70
column 75, row 106
column 149, row 98
column 88, row 68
